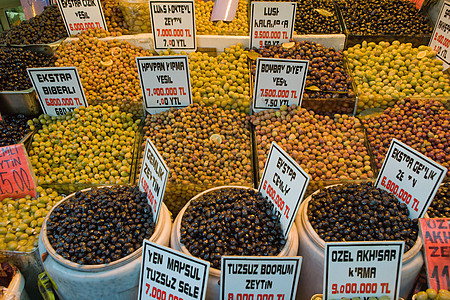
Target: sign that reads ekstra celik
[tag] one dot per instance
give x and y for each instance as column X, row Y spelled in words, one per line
column 81, row 15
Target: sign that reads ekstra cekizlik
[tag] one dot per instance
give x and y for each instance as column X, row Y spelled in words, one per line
column 173, row 24
column 284, row 182
column 411, row 176
column 59, row 90
column 170, row 274
column 153, row 177
column 81, row 15
column 165, row 82
column 362, row 269
column 440, row 39
column 250, row 277
column 278, row 82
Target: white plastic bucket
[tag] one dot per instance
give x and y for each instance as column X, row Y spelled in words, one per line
column 16, row 288
column 312, row 249
column 117, row 280
column 213, row 289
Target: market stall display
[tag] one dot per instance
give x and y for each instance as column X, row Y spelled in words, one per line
column 432, row 294
column 13, row 129
column 440, row 206
column 115, row 20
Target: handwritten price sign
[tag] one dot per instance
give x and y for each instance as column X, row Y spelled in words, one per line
column 80, row 15
column 440, row 39
column 436, row 239
column 16, row 177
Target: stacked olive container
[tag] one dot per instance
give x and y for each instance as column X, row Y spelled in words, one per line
column 214, row 142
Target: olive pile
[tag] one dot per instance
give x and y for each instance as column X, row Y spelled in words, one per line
column 231, row 221
column 203, row 147
column 21, row 219
column 387, row 72
column 326, row 71
column 48, row 27
column 13, row 129
column 433, row 294
column 114, row 17
column 13, row 67
column 421, row 124
column 373, row 17
column 136, row 14
column 107, row 69
column 238, row 26
column 316, row 16
column 101, row 225
column 440, row 206
column 360, row 212
column 325, row 147
column 223, row 80
column 90, row 145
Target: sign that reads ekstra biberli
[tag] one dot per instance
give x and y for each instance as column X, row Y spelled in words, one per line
column 165, row 82
column 170, row 274
column 153, row 178
column 251, row 277
column 411, row 176
column 59, row 89
column 81, row 15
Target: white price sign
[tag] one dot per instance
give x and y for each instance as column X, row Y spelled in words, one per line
column 369, row 269
column 440, row 39
column 165, row 82
column 153, row 178
column 411, row 176
column 250, row 277
column 278, row 82
column 170, row 274
column 271, row 23
column 173, row 24
column 284, row 182
column 80, row 15
column 59, row 90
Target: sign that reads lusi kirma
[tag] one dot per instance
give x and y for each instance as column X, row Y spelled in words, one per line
column 165, row 82
column 362, row 269
column 17, row 179
column 59, row 90
column 153, row 178
column 284, row 183
column 412, row 177
column 251, row 277
column 81, row 15
column 436, row 242
column 170, row 274
column 440, row 39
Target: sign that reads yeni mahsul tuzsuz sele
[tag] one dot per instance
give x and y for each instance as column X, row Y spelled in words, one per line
column 81, row 15
column 412, row 177
column 170, row 274
column 59, row 90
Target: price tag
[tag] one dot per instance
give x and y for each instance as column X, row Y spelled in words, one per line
column 170, row 274
column 153, row 178
column 173, row 24
column 59, row 90
column 16, row 174
column 251, row 277
column 224, row 10
column 278, row 82
column 440, row 39
column 165, row 82
column 369, row 269
column 271, row 23
column 412, row 177
column 81, row 15
column 436, row 242
column 284, row 182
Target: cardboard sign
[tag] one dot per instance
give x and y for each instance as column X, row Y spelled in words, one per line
column 170, row 274
column 165, row 82
column 224, row 10
column 16, row 174
column 173, row 24
column 81, row 15
column 59, row 90
column 153, row 178
column 284, row 182
column 251, row 277
column 278, row 82
column 271, row 23
column 436, row 242
column 369, row 269
column 412, row 177
column 440, row 39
